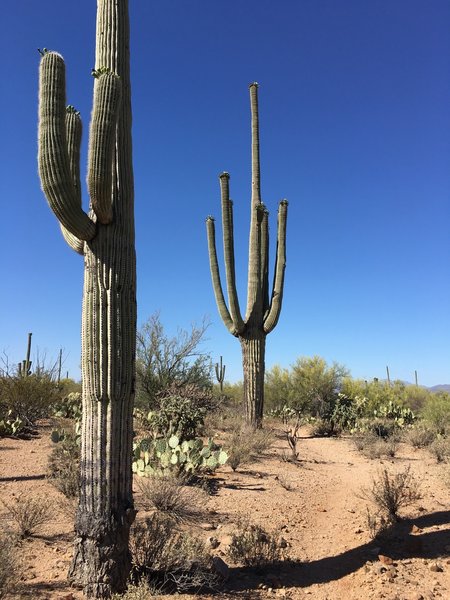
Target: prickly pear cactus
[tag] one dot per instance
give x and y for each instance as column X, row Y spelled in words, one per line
column 105, row 237
column 191, row 456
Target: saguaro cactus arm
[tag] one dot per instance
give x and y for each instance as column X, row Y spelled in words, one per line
column 256, row 212
column 73, row 137
column 215, row 277
column 53, row 157
column 228, row 251
column 102, row 137
column 273, row 314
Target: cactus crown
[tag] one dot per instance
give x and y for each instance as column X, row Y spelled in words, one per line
column 96, row 73
column 71, row 110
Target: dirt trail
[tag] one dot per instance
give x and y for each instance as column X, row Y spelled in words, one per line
column 320, row 516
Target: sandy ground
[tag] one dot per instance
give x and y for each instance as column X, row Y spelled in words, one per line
column 322, row 518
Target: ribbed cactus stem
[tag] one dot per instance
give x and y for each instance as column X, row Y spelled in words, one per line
column 261, row 314
column 220, row 373
column 73, row 136
column 53, row 156
column 102, row 137
column 101, row 560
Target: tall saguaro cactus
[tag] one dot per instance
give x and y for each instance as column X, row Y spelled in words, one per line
column 262, row 313
column 105, row 236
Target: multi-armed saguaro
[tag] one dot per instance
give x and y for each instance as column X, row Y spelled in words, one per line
column 105, row 236
column 261, row 315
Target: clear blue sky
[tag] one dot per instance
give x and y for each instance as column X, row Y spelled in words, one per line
column 355, row 133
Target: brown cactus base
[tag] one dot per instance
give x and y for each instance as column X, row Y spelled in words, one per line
column 101, row 562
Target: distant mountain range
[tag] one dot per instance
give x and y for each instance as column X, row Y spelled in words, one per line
column 443, row 387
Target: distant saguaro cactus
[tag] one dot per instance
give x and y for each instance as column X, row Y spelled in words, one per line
column 261, row 314
column 105, row 237
column 220, row 373
column 24, row 368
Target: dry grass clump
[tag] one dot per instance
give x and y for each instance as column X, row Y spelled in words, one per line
column 247, row 444
column 286, row 482
column 390, row 492
column 419, row 436
column 29, row 513
column 8, row 563
column 253, row 546
column 64, row 467
column 169, row 494
column 440, row 449
column 170, row 560
column 141, row 591
column 373, row 446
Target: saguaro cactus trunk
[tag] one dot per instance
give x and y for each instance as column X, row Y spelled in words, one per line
column 105, row 236
column 262, row 314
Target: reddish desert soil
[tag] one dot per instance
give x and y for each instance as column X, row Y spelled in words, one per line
column 329, row 555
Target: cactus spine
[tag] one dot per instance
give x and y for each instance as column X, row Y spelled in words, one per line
column 220, row 373
column 105, row 236
column 261, row 314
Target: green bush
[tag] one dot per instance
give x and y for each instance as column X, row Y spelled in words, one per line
column 27, row 398
column 436, row 412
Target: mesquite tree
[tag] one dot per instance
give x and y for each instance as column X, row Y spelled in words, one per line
column 105, row 237
column 262, row 314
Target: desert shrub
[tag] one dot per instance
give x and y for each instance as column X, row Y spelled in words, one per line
column 440, row 448
column 169, row 494
column 261, row 440
column 419, row 436
column 373, row 446
column 392, row 492
column 377, row 524
column 169, row 559
column 347, row 412
column 324, row 428
column 163, row 361
column 253, row 546
column 247, row 444
column 238, row 451
column 141, row 591
column 64, row 466
column 28, row 398
column 436, row 412
column 29, row 513
column 8, row 563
